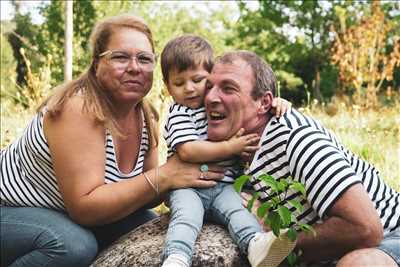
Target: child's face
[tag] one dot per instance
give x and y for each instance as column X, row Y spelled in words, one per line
column 187, row 87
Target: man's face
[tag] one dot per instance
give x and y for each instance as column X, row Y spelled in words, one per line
column 228, row 100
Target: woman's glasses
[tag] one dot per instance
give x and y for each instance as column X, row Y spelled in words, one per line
column 120, row 60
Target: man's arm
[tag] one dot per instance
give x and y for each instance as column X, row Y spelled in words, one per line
column 352, row 223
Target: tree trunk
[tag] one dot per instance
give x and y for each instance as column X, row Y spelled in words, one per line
column 317, row 85
column 68, row 40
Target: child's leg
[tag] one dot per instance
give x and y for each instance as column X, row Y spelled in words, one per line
column 263, row 249
column 186, row 220
column 228, row 209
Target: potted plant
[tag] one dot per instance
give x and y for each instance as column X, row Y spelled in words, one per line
column 273, row 212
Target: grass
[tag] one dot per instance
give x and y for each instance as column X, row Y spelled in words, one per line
column 374, row 135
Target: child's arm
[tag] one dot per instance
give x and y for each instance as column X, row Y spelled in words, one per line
column 203, row 151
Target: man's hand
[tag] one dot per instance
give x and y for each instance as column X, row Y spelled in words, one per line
column 243, row 145
column 245, row 201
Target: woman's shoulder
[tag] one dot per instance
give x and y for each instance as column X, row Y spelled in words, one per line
column 73, row 113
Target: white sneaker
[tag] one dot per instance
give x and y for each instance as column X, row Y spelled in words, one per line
column 267, row 250
column 176, row 260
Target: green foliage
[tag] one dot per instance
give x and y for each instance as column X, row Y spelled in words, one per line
column 273, row 212
column 8, row 64
column 50, row 37
column 298, row 61
column 276, row 214
column 295, row 37
column 22, row 36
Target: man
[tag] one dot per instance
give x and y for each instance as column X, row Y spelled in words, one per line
column 355, row 214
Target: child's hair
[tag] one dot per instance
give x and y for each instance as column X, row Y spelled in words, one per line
column 186, row 52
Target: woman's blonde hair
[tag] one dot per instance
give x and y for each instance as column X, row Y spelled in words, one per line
column 95, row 100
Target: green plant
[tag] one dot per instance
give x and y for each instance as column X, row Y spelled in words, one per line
column 273, row 212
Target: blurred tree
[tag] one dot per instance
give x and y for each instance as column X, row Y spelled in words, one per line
column 50, row 38
column 68, row 42
column 8, row 63
column 22, row 36
column 363, row 55
column 292, row 36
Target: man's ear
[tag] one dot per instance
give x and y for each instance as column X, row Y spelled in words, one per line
column 265, row 103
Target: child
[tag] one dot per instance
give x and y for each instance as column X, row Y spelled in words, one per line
column 186, row 62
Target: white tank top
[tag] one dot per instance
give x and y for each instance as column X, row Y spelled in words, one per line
column 27, row 174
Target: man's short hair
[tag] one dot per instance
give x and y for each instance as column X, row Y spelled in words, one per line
column 186, row 52
column 264, row 77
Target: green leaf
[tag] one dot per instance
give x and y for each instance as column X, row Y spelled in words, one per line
column 270, row 181
column 262, row 210
column 275, row 201
column 284, row 183
column 296, row 204
column 298, row 187
column 275, row 222
column 292, row 258
column 240, row 181
column 250, row 204
column 307, row 228
column 280, row 186
column 285, row 215
column 267, row 221
column 292, row 234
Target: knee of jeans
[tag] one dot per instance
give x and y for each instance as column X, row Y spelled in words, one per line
column 81, row 250
column 69, row 249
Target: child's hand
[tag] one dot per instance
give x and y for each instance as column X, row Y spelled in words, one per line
column 243, row 145
column 280, row 106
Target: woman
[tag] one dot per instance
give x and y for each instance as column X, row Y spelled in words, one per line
column 86, row 167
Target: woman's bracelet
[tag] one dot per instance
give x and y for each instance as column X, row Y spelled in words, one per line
column 151, row 183
column 157, row 182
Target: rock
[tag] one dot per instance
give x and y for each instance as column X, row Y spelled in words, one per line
column 143, row 246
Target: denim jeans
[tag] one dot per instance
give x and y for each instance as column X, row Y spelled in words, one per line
column 391, row 245
column 220, row 204
column 43, row 237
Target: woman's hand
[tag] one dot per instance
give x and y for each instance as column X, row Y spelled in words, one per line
column 179, row 174
column 280, row 106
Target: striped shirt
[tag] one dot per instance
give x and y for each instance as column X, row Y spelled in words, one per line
column 27, row 173
column 298, row 146
column 183, row 125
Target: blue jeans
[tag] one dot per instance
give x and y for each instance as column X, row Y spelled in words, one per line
column 43, row 237
column 391, row 245
column 220, row 204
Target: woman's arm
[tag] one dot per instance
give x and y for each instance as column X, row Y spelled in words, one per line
column 149, row 165
column 76, row 144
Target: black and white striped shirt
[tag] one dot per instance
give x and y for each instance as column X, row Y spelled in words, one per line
column 183, row 125
column 27, row 174
column 298, row 146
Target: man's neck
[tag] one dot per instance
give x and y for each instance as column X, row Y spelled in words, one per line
column 258, row 129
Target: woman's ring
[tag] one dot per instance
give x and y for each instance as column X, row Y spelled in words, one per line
column 204, row 168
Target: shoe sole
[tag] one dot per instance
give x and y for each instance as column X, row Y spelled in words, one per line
column 278, row 251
